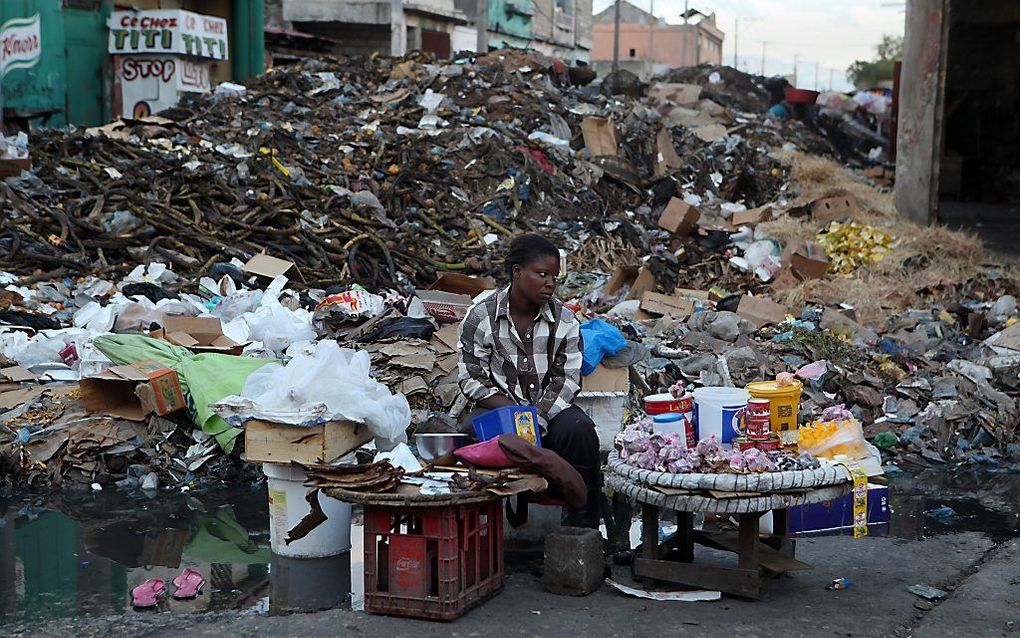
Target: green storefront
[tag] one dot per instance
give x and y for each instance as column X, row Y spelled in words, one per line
column 71, row 81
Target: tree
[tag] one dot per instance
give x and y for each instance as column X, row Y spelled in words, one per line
column 864, row 73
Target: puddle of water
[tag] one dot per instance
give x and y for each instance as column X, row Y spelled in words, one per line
column 82, row 556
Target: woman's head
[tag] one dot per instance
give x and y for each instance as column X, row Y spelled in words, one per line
column 533, row 264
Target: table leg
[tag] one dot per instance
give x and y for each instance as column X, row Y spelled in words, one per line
column 748, row 535
column 685, row 535
column 649, row 531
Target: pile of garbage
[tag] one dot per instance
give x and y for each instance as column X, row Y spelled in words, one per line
column 235, row 243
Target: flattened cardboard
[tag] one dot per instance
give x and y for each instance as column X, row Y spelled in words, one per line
column 446, row 339
column 639, row 278
column 133, row 391
column 677, row 93
column 9, row 400
column 605, row 379
column 268, row 266
column 16, row 374
column 761, row 311
column 279, row 443
column 679, row 217
column 600, row 136
column 667, row 305
column 751, row 217
column 459, row 284
column 806, row 259
column 710, row 132
column 830, row 209
column 1007, row 338
column 666, row 159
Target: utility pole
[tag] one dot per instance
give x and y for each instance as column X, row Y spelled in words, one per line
column 616, row 36
column 482, row 26
column 832, row 81
column 763, row 47
column 795, row 77
column 816, row 76
column 651, row 38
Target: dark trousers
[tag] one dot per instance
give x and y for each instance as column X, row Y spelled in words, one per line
column 572, row 436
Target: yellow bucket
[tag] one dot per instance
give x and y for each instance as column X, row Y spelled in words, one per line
column 784, row 403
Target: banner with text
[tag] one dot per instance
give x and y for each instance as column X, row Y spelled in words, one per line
column 168, row 31
column 20, row 44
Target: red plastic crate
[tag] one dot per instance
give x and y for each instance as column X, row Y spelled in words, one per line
column 434, row 562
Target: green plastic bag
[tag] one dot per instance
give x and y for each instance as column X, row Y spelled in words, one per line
column 205, row 378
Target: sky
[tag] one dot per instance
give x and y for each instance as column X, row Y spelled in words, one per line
column 829, row 33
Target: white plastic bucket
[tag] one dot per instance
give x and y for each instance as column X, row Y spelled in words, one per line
column 287, row 506
column 717, row 411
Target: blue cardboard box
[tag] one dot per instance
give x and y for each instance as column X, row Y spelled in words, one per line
column 838, row 514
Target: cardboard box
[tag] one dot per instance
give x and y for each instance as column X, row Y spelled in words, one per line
column 667, row 305
column 838, row 514
column 13, row 167
column 679, row 217
column 281, row 443
column 829, row 209
column 267, row 266
column 197, row 334
column 676, row 93
column 133, row 391
column 639, row 278
column 459, row 284
column 761, row 311
column 806, row 259
column 600, row 136
column 605, row 379
column 445, row 307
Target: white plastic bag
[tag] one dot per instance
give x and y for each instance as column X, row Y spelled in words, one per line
column 330, row 384
column 277, row 327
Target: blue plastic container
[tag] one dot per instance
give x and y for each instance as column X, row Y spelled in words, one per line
column 511, row 419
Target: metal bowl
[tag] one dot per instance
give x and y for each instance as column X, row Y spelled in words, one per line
column 432, row 446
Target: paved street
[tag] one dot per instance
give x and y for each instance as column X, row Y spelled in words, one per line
column 982, row 577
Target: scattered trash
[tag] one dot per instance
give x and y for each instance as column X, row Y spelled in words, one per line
column 927, row 592
column 839, row 584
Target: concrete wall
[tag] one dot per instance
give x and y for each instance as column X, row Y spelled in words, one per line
column 355, row 39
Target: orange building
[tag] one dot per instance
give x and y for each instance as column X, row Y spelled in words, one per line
column 649, row 45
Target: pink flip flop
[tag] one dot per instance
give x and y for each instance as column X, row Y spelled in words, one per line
column 188, row 583
column 148, row 593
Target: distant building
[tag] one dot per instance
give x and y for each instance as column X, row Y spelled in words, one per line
column 560, row 28
column 650, row 45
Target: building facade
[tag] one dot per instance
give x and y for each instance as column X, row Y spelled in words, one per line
column 560, row 28
column 650, row 45
column 66, row 68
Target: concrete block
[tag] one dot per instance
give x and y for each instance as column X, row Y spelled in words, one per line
column 574, row 562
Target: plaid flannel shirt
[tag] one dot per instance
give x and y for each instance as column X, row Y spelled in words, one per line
column 541, row 368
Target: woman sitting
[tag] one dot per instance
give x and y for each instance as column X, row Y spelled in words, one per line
column 520, row 346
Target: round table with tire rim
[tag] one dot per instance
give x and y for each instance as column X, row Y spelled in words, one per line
column 745, row 496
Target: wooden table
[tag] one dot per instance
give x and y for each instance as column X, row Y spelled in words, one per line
column 758, row 558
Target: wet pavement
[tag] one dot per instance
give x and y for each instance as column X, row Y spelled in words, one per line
column 79, row 556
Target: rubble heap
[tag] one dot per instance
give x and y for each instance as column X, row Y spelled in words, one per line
column 682, row 221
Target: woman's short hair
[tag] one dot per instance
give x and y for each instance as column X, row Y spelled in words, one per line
column 525, row 249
